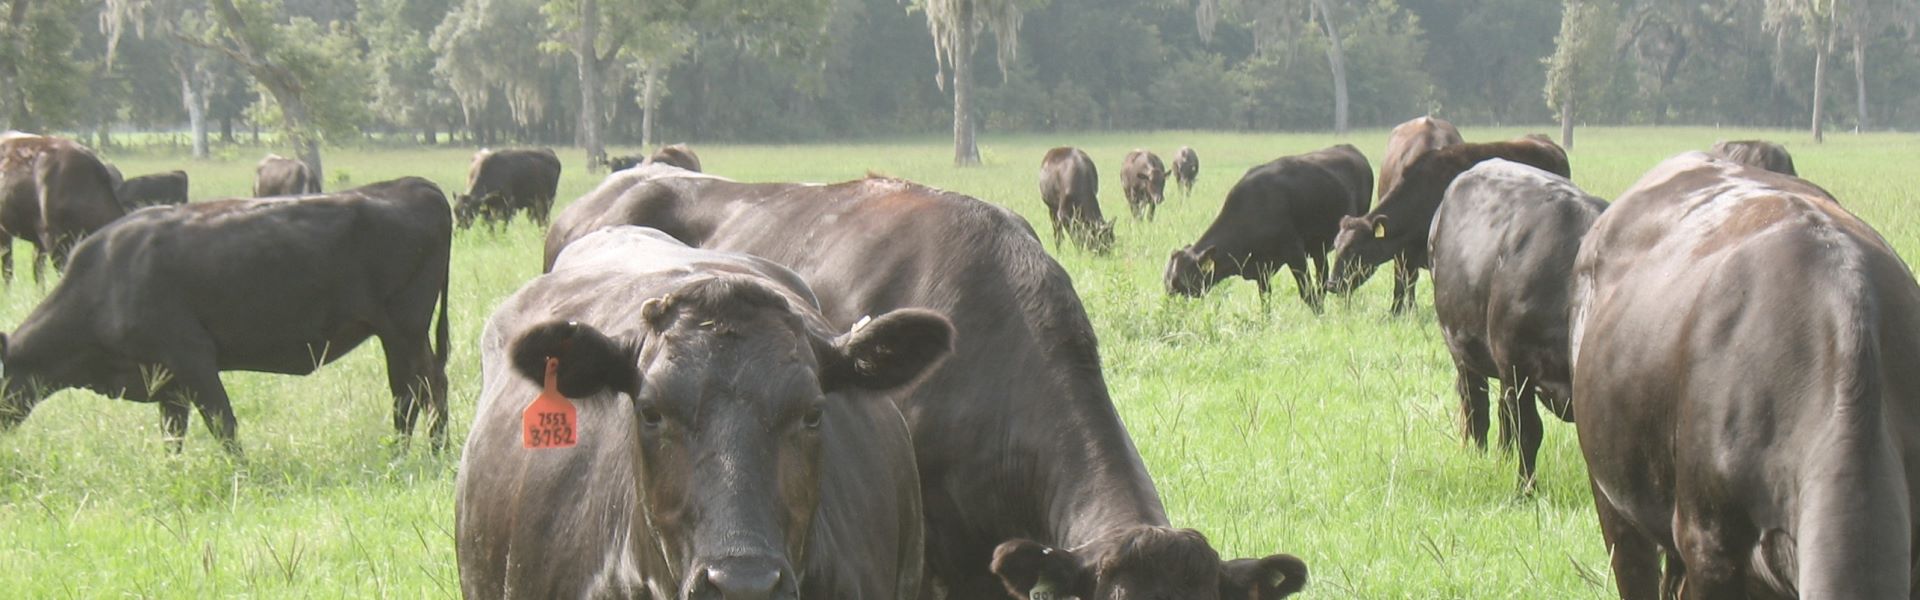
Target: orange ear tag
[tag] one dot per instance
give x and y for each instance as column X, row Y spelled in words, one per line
column 550, row 421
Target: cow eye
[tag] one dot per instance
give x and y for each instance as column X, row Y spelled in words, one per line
column 651, row 417
column 812, row 419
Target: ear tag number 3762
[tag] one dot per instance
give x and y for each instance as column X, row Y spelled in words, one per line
column 551, row 420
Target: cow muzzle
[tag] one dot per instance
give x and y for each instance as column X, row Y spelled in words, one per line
column 743, row 578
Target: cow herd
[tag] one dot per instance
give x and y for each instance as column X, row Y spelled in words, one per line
column 878, row 389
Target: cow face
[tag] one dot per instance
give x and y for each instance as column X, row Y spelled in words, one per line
column 1100, row 236
column 465, row 208
column 19, row 393
column 1143, row 563
column 1153, row 182
column 732, row 394
column 1359, row 248
column 1191, row 273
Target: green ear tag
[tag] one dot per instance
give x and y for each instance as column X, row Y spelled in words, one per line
column 1044, row 590
column 1379, row 230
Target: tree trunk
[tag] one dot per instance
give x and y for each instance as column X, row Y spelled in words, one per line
column 588, row 59
column 1337, row 59
column 965, row 152
column 281, row 84
column 1860, row 82
column 226, row 129
column 191, row 99
column 433, row 133
column 11, row 102
column 1566, row 123
column 649, row 101
column 1820, row 49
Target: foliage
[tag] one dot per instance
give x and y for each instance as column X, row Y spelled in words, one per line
column 52, row 85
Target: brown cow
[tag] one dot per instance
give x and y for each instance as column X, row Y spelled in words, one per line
column 1144, row 178
column 53, row 193
column 1070, row 187
column 278, row 175
column 1757, row 153
column 1186, row 169
column 1408, row 141
column 678, row 155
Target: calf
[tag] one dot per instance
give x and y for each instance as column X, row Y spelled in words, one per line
column 1407, row 142
column 1748, row 406
column 277, row 175
column 1396, row 230
column 155, row 189
column 1280, row 214
column 1186, row 169
column 730, row 443
column 1070, row 187
column 1144, row 179
column 55, row 192
column 1757, row 153
column 503, row 182
column 180, row 293
column 1502, row 247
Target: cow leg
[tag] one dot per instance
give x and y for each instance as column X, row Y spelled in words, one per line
column 201, row 387
column 173, row 419
column 417, row 385
column 1636, row 561
column 1297, row 264
column 39, row 265
column 1520, row 413
column 1404, row 278
column 1472, row 389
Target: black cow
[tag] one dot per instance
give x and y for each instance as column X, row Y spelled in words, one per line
column 177, row 294
column 1502, row 247
column 1396, row 230
column 1748, row 405
column 277, row 175
column 54, row 192
column 1186, row 169
column 996, row 453
column 1144, row 178
column 503, row 182
column 1407, row 142
column 1757, row 153
column 623, row 162
column 1280, row 214
column 155, row 189
column 678, row 155
column 730, row 443
column 1070, row 187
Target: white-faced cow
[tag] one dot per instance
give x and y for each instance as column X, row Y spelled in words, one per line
column 1070, row 187
column 1186, row 169
column 1032, row 485
column 1144, row 178
column 54, row 192
column 503, row 182
column 1282, row 213
column 154, row 189
column 1502, row 248
column 729, row 443
column 1757, row 153
column 1397, row 228
column 278, row 175
column 1744, row 381
column 177, row 294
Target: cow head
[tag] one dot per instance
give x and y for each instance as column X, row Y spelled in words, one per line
column 1143, row 563
column 732, row 393
column 465, row 209
column 19, row 392
column 1363, row 243
column 1153, row 181
column 1192, row 272
column 1100, row 236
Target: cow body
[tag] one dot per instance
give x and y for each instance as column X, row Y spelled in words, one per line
column 608, row 517
column 274, row 286
column 1397, row 228
column 1502, row 246
column 1282, row 213
column 54, row 192
column 1757, row 153
column 1746, row 390
column 1407, row 142
column 1070, row 187
column 503, row 182
column 1186, row 169
column 277, row 175
column 154, row 189
column 996, row 454
column 1144, row 178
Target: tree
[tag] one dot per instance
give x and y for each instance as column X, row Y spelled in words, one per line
column 956, row 26
column 1279, row 24
column 406, row 93
column 45, row 84
column 1816, row 19
column 1862, row 19
column 172, row 21
column 490, row 49
column 576, row 25
column 1575, row 69
column 314, row 75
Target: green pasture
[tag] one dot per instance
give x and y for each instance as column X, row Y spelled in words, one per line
column 1268, row 428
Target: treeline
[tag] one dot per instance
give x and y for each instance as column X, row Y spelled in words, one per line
column 505, row 71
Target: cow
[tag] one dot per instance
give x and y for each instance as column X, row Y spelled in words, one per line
column 156, row 305
column 1070, row 187
column 503, row 182
column 996, row 454
column 1502, row 246
column 1186, row 169
column 1144, row 178
column 1397, row 228
column 277, row 175
column 1280, row 214
column 1745, row 389
column 54, row 192
column 1407, row 142
column 730, row 443
column 1757, row 153
column 678, row 155
column 623, row 162
column 155, row 189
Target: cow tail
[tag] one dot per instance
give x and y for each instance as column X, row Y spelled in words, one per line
column 440, row 337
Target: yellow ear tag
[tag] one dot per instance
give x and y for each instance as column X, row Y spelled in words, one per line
column 1206, row 266
column 1379, row 230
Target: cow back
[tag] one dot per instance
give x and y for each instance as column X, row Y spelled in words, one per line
column 1407, row 142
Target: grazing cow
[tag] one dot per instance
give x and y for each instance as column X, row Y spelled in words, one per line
column 678, row 155
column 730, row 443
column 1145, row 180
column 623, row 162
column 1408, row 141
column 1748, row 407
column 1397, row 228
column 503, row 182
column 177, row 294
column 1070, row 187
column 1186, row 169
column 53, row 193
column 1280, row 214
column 998, row 455
column 1502, row 246
column 1757, row 153
column 281, row 176
column 155, row 189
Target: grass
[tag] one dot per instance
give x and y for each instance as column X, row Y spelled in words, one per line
column 1269, row 429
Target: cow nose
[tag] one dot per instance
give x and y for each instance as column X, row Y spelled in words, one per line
column 748, row 579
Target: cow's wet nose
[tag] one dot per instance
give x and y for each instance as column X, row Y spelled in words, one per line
column 747, row 579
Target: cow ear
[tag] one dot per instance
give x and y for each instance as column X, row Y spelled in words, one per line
column 1269, row 578
column 589, row 360
column 886, row 352
column 1035, row 571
